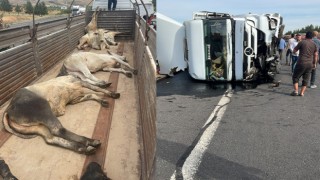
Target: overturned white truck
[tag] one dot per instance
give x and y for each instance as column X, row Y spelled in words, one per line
column 222, row 47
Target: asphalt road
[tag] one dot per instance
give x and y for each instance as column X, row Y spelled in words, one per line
column 263, row 132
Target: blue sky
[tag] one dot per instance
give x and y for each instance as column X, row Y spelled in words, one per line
column 296, row 13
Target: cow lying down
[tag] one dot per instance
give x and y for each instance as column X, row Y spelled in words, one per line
column 82, row 64
column 94, row 39
column 98, row 39
column 33, row 110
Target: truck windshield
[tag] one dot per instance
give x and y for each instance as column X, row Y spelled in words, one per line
column 216, row 43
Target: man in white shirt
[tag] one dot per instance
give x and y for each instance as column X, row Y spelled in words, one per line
column 289, row 51
column 295, row 56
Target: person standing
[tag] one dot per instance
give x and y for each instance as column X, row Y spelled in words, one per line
column 295, row 56
column 289, row 51
column 282, row 46
column 113, row 4
column 307, row 60
column 314, row 70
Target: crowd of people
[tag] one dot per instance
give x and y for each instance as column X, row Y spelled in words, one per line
column 302, row 56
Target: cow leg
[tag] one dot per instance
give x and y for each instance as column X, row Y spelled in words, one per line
column 91, row 96
column 56, row 128
column 82, row 41
column 104, row 45
column 120, row 70
column 118, row 60
column 89, row 78
column 50, row 139
column 97, row 89
column 111, row 42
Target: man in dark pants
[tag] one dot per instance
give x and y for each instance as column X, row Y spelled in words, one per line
column 313, row 72
column 308, row 56
column 112, row 3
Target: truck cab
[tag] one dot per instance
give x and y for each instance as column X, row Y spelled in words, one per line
column 222, row 47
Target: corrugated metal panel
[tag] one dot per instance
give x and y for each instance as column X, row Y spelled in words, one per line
column 76, row 31
column 51, row 49
column 17, row 70
column 122, row 20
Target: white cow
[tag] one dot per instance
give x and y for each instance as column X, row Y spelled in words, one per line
column 94, row 39
column 82, row 64
column 97, row 38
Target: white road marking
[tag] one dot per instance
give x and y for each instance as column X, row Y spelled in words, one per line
column 193, row 161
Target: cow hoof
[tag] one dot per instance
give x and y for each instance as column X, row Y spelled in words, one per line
column 135, row 72
column 115, row 95
column 128, row 74
column 95, row 143
column 104, row 85
column 104, row 103
column 90, row 150
column 108, row 84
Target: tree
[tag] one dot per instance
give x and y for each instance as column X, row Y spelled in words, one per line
column 41, row 9
column 44, row 8
column 154, row 2
column 18, row 9
column 305, row 29
column 5, row 6
column 29, row 8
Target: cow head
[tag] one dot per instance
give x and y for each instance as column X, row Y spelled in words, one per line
column 98, row 40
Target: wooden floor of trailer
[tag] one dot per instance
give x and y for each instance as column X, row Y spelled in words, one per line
column 117, row 127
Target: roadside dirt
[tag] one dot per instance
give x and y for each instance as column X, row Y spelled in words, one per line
column 33, row 159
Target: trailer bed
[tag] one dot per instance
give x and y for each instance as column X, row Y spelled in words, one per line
column 118, row 155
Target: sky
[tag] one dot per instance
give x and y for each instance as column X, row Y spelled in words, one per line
column 296, row 13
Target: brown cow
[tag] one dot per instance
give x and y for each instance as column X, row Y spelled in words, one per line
column 33, row 110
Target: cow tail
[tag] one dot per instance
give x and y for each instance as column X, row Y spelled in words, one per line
column 6, row 125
